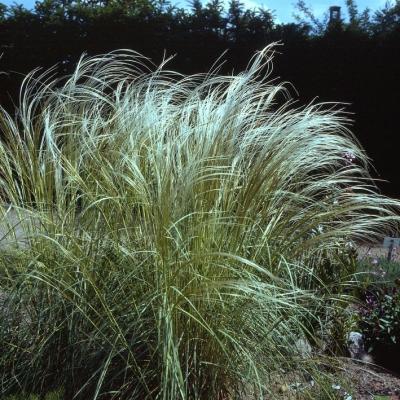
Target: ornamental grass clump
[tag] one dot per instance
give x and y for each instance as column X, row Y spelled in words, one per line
column 178, row 235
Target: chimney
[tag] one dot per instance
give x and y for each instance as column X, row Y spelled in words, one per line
column 334, row 14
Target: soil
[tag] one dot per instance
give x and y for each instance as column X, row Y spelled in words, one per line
column 371, row 383
column 352, row 381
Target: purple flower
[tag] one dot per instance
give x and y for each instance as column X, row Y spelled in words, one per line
column 349, row 157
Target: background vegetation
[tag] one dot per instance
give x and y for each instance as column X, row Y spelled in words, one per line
column 355, row 61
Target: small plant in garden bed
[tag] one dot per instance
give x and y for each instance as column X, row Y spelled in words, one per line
column 381, row 316
column 183, row 232
column 380, row 319
column 379, row 309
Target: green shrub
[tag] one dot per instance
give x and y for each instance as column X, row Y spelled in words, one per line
column 378, row 311
column 182, row 232
column 380, row 317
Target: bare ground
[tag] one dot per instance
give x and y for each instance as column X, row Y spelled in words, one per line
column 368, row 382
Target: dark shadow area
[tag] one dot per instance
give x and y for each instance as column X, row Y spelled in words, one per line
column 355, row 62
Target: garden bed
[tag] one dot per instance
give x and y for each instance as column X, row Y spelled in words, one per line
column 371, row 383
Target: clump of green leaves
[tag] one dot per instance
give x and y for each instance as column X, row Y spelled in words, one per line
column 380, row 317
column 181, row 234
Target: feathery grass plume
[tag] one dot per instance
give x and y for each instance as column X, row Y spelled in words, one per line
column 181, row 233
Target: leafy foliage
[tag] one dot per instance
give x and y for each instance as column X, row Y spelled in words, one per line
column 378, row 313
column 380, row 317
